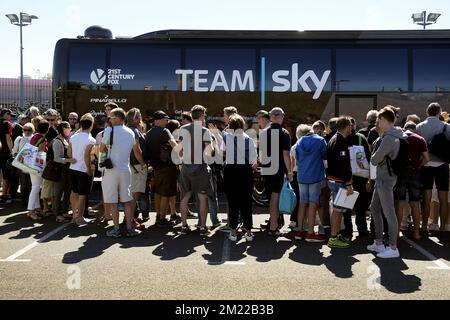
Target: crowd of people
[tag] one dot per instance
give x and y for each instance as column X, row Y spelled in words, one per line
column 396, row 175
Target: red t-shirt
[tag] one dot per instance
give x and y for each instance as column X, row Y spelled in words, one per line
column 37, row 139
column 417, row 145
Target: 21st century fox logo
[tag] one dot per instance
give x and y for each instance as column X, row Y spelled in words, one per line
column 114, row 76
column 98, row 76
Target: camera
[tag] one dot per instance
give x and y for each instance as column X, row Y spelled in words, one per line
column 107, row 163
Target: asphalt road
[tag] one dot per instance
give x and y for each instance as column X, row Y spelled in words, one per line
column 82, row 263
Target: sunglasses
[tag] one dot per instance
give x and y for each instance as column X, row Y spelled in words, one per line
column 73, row 119
column 51, row 120
column 27, row 130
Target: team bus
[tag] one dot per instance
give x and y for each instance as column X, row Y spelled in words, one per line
column 310, row 74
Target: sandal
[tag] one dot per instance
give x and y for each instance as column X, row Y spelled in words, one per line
column 34, row 216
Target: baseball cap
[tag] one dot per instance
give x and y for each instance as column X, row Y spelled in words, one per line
column 277, row 111
column 6, row 111
column 158, row 115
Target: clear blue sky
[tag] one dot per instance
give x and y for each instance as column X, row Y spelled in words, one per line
column 67, row 19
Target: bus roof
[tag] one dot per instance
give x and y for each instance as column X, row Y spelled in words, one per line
column 294, row 35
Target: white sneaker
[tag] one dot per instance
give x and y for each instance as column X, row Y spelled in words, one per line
column 249, row 237
column 375, row 247
column 232, row 237
column 389, row 253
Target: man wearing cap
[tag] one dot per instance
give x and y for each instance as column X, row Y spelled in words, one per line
column 277, row 163
column 159, row 143
column 5, row 150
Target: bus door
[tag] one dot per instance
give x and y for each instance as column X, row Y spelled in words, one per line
column 356, row 106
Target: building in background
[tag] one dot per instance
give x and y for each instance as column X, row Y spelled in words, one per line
column 37, row 92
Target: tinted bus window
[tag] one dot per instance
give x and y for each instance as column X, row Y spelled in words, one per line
column 218, row 69
column 371, row 70
column 138, row 68
column 87, row 68
column 298, row 61
column 431, row 69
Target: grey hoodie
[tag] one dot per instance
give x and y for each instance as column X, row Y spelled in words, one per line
column 389, row 147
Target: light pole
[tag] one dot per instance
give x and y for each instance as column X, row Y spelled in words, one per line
column 23, row 20
column 419, row 18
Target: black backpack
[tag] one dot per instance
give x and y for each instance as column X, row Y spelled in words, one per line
column 399, row 165
column 440, row 146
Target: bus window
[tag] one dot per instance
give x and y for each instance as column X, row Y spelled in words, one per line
column 431, row 68
column 140, row 68
column 371, row 70
column 87, row 68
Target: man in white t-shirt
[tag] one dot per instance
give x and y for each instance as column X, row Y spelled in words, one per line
column 116, row 181
column 81, row 172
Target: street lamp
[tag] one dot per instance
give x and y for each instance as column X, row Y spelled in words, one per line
column 23, row 20
column 419, row 18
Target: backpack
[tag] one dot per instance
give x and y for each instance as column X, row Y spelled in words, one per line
column 440, row 145
column 399, row 165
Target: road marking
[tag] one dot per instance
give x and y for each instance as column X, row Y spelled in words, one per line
column 440, row 264
column 13, row 257
column 13, row 215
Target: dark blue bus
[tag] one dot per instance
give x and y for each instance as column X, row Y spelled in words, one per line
column 311, row 74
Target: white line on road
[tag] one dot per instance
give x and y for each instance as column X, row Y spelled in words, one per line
column 13, row 257
column 35, row 243
column 440, row 264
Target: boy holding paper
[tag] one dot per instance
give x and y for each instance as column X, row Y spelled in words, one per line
column 339, row 175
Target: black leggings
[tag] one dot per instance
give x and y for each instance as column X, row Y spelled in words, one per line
column 239, row 187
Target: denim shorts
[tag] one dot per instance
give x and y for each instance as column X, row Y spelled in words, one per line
column 334, row 188
column 408, row 185
column 310, row 192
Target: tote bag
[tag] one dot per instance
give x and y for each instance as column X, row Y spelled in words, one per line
column 30, row 159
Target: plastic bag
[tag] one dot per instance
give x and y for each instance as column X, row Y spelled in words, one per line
column 359, row 162
column 30, row 159
column 288, row 199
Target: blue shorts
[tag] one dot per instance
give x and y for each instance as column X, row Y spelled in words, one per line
column 334, row 188
column 310, row 192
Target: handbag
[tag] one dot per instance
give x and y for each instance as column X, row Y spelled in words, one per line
column 52, row 171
